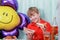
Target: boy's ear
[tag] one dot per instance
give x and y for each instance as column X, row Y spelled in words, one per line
column 11, row 3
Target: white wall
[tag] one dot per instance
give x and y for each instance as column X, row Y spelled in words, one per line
column 58, row 17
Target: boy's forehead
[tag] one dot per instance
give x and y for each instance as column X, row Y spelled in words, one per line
column 32, row 13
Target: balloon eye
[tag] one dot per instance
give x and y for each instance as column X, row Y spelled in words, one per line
column 7, row 14
column 4, row 13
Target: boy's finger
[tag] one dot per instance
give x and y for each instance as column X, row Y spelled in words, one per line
column 14, row 37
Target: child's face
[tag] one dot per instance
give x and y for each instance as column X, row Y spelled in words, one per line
column 34, row 17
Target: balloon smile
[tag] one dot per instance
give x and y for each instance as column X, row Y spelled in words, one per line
column 7, row 22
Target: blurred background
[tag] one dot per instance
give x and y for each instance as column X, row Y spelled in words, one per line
column 47, row 7
column 47, row 10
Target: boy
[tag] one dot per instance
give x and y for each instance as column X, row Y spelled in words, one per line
column 35, row 24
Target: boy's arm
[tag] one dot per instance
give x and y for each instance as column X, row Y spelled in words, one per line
column 34, row 36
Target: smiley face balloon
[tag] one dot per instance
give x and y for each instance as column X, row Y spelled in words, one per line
column 9, row 18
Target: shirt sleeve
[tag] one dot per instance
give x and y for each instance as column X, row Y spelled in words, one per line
column 38, row 35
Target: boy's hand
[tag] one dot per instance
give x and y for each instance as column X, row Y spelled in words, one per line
column 29, row 33
column 40, row 25
column 26, row 30
column 10, row 38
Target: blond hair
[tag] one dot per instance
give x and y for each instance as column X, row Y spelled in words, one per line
column 31, row 9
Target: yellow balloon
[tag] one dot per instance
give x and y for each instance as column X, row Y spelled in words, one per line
column 9, row 18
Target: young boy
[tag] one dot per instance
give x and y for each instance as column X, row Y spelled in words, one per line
column 36, row 21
